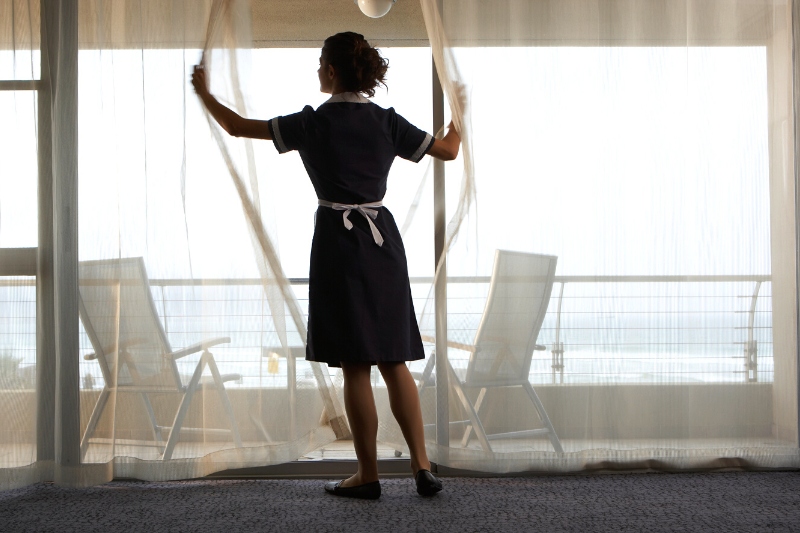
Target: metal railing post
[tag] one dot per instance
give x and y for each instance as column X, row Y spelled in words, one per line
column 557, row 352
column 751, row 346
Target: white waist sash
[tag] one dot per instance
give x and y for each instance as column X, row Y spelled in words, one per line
column 369, row 214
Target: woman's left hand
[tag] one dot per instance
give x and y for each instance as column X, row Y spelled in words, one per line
column 199, row 80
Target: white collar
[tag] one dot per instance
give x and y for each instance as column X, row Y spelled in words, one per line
column 352, row 98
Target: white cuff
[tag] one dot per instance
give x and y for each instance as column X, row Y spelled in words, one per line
column 278, row 139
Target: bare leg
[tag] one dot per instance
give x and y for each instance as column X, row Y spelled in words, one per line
column 404, row 401
column 363, row 418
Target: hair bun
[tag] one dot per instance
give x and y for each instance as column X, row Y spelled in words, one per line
column 359, row 67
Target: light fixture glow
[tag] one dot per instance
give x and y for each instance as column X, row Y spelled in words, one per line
column 375, row 8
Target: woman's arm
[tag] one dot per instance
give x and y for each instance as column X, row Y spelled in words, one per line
column 446, row 148
column 230, row 121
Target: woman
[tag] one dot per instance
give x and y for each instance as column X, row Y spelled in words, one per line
column 360, row 308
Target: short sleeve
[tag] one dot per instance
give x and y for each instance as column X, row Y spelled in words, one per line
column 289, row 132
column 410, row 142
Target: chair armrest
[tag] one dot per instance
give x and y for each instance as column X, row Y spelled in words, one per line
column 451, row 344
column 123, row 346
column 209, row 380
column 539, row 347
column 198, row 347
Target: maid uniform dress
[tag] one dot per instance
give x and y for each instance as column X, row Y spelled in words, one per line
column 360, row 307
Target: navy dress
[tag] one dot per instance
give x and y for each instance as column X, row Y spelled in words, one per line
column 360, row 307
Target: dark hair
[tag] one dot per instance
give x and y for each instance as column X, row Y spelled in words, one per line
column 360, row 68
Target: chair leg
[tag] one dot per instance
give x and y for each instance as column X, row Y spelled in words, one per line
column 427, row 373
column 152, row 415
column 476, row 423
column 468, row 430
column 94, row 419
column 175, row 431
column 223, row 396
column 554, row 440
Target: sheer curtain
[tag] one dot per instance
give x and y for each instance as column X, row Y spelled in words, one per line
column 647, row 148
column 171, row 252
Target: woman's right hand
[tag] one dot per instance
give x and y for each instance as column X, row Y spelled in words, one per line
column 199, row 81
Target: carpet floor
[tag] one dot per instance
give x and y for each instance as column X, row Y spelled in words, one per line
column 729, row 501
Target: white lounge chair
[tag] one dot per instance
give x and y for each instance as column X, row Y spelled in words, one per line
column 501, row 352
column 135, row 357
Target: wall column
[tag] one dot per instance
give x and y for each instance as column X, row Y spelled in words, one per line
column 783, row 219
column 60, row 40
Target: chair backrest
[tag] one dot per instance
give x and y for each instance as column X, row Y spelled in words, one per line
column 519, row 293
column 117, row 309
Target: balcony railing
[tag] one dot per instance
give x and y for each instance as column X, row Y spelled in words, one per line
column 598, row 329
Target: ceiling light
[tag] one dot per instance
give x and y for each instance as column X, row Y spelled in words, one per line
column 375, row 8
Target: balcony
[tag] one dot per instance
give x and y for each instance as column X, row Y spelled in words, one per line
column 627, row 359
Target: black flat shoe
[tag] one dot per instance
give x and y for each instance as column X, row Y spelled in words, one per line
column 367, row 491
column 427, row 483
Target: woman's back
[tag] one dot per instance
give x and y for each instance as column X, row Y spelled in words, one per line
column 348, row 145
